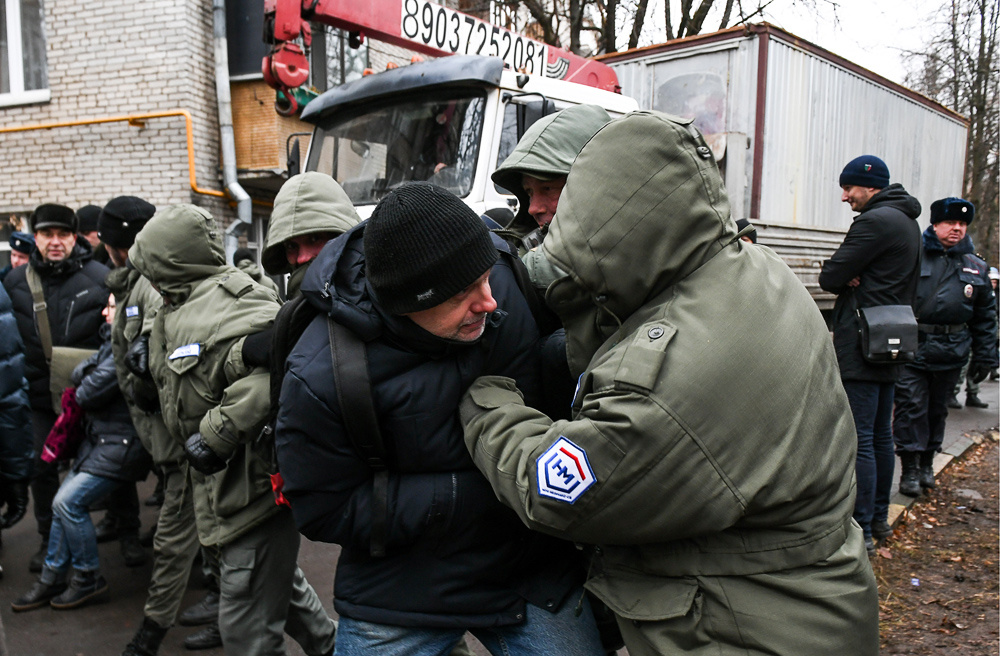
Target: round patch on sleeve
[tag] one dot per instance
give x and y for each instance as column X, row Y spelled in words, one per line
column 564, row 472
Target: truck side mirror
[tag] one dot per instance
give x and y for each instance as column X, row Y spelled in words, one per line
column 529, row 112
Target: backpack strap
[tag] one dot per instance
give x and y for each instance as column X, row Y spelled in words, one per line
column 357, row 406
column 41, row 311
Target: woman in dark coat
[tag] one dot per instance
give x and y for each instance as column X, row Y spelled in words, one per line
column 110, row 453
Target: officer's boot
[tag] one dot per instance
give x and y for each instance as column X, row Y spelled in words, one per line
column 926, row 470
column 909, row 482
column 147, row 639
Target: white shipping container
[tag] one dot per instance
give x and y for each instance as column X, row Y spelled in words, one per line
column 783, row 117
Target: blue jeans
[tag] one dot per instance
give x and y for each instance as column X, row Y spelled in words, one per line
column 871, row 405
column 542, row 632
column 72, row 541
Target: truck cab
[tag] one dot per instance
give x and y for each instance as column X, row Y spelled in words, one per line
column 449, row 121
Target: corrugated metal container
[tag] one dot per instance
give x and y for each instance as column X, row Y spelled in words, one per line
column 783, row 117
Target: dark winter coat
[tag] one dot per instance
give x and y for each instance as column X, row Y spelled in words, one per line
column 112, row 448
column 954, row 289
column 75, row 295
column 882, row 247
column 15, row 415
column 456, row 556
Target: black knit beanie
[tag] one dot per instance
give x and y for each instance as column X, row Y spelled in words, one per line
column 422, row 246
column 241, row 254
column 952, row 209
column 87, row 218
column 122, row 219
column 865, row 171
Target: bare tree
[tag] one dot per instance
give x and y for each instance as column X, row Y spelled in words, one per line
column 958, row 68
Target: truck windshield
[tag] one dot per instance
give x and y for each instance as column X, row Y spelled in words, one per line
column 371, row 152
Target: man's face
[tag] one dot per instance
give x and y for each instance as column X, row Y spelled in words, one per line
column 91, row 237
column 543, row 197
column 17, row 258
column 462, row 317
column 299, row 250
column 55, row 244
column 950, row 233
column 857, row 197
column 117, row 255
column 109, row 309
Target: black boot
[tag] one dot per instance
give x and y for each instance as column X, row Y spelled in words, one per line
column 106, row 529
column 147, row 639
column 84, row 588
column 954, row 403
column 207, row 638
column 881, row 529
column 925, row 473
column 39, row 595
column 909, row 483
column 205, row 611
column 973, row 401
column 38, row 559
column 132, row 551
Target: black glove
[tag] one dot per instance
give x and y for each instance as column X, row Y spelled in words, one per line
column 137, row 357
column 978, row 372
column 257, row 348
column 201, row 456
column 15, row 497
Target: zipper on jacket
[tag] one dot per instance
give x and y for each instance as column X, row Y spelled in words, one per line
column 69, row 317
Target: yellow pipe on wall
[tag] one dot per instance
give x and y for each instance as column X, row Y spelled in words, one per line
column 133, row 119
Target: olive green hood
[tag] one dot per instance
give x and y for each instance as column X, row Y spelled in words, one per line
column 307, row 203
column 179, row 247
column 645, row 189
column 547, row 151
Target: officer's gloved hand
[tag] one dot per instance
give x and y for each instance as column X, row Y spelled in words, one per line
column 978, row 372
column 257, row 348
column 201, row 456
column 137, row 357
column 15, row 497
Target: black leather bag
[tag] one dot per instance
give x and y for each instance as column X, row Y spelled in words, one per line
column 888, row 334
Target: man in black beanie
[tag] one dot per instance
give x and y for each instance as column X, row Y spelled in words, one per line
column 418, row 305
column 955, row 314
column 877, row 264
column 75, row 297
column 87, row 228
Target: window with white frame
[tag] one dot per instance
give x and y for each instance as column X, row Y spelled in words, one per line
column 23, row 77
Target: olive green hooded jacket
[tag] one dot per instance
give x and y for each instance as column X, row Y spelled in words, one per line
column 711, row 441
column 195, row 356
column 252, row 270
column 138, row 303
column 306, row 204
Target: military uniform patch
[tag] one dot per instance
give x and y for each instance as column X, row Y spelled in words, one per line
column 132, row 311
column 968, row 291
column 185, row 351
column 563, row 472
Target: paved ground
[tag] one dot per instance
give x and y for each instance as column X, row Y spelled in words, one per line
column 104, row 630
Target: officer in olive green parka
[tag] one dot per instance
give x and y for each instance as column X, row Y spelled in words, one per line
column 710, row 454
column 175, row 542
column 309, row 210
column 543, row 158
column 216, row 404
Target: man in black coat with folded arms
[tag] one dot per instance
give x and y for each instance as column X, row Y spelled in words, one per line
column 877, row 264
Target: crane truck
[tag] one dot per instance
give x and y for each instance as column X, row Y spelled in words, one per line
column 450, row 121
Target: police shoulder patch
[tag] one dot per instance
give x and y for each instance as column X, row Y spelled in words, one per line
column 564, row 473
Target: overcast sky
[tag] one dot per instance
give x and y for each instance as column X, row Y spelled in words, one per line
column 871, row 33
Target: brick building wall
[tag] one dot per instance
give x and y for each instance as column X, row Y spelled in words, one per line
column 107, row 59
